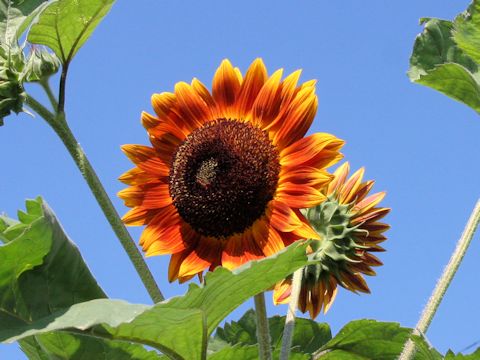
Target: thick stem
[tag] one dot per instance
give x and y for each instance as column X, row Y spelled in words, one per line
column 263, row 333
column 442, row 285
column 290, row 318
column 61, row 128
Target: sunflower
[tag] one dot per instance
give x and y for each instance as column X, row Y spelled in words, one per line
column 228, row 171
column 348, row 225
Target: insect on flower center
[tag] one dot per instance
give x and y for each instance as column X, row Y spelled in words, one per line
column 223, row 176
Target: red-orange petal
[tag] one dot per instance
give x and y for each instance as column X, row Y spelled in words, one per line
column 299, row 196
column 268, row 101
column 282, row 291
column 317, row 150
column 201, row 257
column 146, row 158
column 252, row 83
column 137, row 176
column 153, row 195
column 138, row 216
column 240, row 249
column 193, row 111
column 296, row 121
column 284, row 219
column 267, row 238
column 226, row 86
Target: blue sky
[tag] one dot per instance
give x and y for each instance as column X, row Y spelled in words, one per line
column 419, row 146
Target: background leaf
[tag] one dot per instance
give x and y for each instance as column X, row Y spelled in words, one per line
column 43, row 272
column 452, row 356
column 446, row 54
column 15, row 16
column 370, row 339
column 308, row 335
column 65, row 25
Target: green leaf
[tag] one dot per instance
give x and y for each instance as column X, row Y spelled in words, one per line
column 235, row 353
column 65, row 25
column 455, row 81
column 308, row 335
column 15, row 16
column 467, row 31
column 37, row 256
column 164, row 325
column 446, row 57
column 250, row 352
column 369, row 339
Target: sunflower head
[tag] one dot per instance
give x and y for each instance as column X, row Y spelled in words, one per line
column 228, row 169
column 348, row 225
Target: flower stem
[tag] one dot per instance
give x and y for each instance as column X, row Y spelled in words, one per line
column 263, row 333
column 442, row 285
column 290, row 318
column 46, row 86
column 59, row 125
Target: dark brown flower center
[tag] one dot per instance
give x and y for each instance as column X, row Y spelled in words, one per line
column 223, row 176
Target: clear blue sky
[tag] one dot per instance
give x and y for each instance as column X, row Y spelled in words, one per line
column 420, row 146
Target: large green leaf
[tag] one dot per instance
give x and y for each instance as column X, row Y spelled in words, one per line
column 164, row 325
column 308, row 335
column 65, row 25
column 446, row 57
column 369, row 339
column 41, row 273
column 15, row 16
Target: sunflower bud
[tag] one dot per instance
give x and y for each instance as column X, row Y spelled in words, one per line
column 12, row 95
column 41, row 65
column 347, row 222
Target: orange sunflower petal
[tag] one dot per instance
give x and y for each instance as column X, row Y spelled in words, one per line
column 297, row 120
column 266, row 237
column 226, row 86
column 201, row 257
column 268, row 101
column 191, row 107
column 137, row 176
column 252, row 83
column 318, row 150
column 282, row 291
column 240, row 249
column 145, row 158
column 299, row 196
column 153, row 195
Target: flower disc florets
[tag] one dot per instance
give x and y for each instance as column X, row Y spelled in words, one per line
column 223, row 176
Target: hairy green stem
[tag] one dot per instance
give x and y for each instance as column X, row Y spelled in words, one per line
column 59, row 125
column 263, row 333
column 290, row 318
column 442, row 285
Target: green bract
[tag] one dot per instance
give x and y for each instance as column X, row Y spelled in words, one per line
column 40, row 65
column 331, row 255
